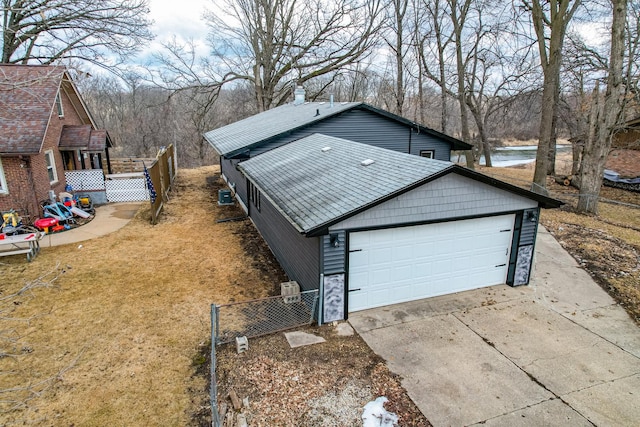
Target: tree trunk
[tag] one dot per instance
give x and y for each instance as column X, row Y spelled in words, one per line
column 605, row 117
column 576, row 149
column 458, row 24
column 420, row 93
column 486, row 148
column 400, row 10
column 443, row 93
column 552, row 29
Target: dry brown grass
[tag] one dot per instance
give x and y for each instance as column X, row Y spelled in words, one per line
column 115, row 338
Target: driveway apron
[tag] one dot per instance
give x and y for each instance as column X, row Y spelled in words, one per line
column 557, row 352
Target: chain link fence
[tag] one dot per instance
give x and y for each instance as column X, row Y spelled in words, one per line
column 264, row 316
column 213, row 386
column 252, row 319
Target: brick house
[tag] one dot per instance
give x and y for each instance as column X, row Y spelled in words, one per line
column 45, row 129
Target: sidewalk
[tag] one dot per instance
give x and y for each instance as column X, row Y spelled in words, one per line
column 108, row 218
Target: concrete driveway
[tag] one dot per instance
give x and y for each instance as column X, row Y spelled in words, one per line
column 556, row 352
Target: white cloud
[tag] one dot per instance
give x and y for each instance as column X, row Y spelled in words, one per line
column 180, row 19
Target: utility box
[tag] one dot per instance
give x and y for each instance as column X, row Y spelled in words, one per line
column 224, row 197
column 290, row 292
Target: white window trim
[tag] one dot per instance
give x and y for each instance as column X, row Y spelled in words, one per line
column 432, row 154
column 59, row 106
column 49, row 154
column 3, row 181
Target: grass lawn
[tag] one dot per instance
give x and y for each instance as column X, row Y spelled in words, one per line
column 111, row 340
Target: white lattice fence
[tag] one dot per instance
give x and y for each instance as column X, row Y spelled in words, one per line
column 85, row 180
column 126, row 190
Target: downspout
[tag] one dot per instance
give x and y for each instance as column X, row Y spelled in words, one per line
column 33, row 185
column 409, row 152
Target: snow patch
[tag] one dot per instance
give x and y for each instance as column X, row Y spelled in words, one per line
column 375, row 415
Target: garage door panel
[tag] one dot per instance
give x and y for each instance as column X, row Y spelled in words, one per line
column 405, row 263
column 404, row 272
column 381, row 255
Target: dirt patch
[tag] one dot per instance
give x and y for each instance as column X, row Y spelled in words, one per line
column 125, row 211
column 613, row 262
column 324, row 384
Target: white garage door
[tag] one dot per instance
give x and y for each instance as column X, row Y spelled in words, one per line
column 402, row 264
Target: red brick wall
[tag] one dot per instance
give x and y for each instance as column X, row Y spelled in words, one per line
column 20, row 196
column 27, row 179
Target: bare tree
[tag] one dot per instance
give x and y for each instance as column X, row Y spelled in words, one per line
column 606, row 116
column 498, row 70
column 275, row 43
column 433, row 38
column 457, row 28
column 631, row 67
column 396, row 40
column 47, row 31
column 550, row 20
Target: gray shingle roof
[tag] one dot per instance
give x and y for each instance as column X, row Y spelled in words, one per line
column 276, row 121
column 312, row 187
column 27, row 98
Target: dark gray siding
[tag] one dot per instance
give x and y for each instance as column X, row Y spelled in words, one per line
column 529, row 227
column 299, row 256
column 234, row 177
column 334, row 257
column 368, row 128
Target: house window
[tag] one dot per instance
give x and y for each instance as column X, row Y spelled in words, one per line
column 59, row 105
column 51, row 166
column 429, row 154
column 3, row 181
column 254, row 196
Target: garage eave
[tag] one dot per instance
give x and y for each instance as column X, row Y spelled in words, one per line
column 543, row 201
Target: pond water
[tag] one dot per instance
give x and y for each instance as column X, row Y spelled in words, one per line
column 502, row 157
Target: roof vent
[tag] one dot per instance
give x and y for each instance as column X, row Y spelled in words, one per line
column 367, row 162
column 317, row 112
column 325, row 149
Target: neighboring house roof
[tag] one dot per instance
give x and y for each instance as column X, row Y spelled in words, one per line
column 82, row 137
column 625, row 162
column 27, row 99
column 244, row 134
column 314, row 187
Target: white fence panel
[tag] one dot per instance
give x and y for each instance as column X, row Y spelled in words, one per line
column 126, row 190
column 84, row 180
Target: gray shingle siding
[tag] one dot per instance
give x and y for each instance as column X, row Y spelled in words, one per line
column 529, row 229
column 449, row 197
column 368, row 128
column 299, row 256
column 334, row 257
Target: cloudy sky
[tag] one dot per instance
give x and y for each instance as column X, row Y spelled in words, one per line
column 182, row 18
